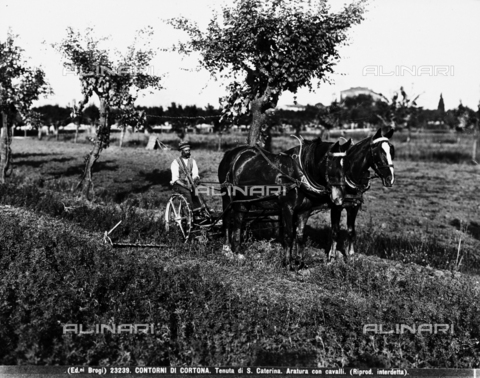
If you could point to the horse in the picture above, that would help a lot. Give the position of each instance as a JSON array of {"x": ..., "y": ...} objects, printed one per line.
[
  {"x": 303, "y": 182},
  {"x": 374, "y": 152}
]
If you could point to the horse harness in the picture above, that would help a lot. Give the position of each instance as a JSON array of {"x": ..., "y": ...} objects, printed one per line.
[
  {"x": 295, "y": 183},
  {"x": 373, "y": 151},
  {"x": 311, "y": 186},
  {"x": 304, "y": 179}
]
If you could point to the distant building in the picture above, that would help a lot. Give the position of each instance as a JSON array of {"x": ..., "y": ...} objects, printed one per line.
[
  {"x": 204, "y": 128},
  {"x": 294, "y": 107},
  {"x": 355, "y": 91}
]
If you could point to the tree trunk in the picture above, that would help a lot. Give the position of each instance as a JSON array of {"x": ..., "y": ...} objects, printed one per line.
[
  {"x": 268, "y": 139},
  {"x": 5, "y": 150},
  {"x": 259, "y": 118},
  {"x": 474, "y": 152},
  {"x": 40, "y": 132},
  {"x": 25, "y": 131},
  {"x": 298, "y": 129},
  {"x": 101, "y": 141},
  {"x": 219, "y": 141},
  {"x": 57, "y": 136},
  {"x": 76, "y": 130},
  {"x": 259, "y": 107},
  {"x": 122, "y": 135}
]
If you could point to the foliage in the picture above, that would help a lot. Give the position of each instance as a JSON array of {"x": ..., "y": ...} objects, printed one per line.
[
  {"x": 20, "y": 84},
  {"x": 209, "y": 311},
  {"x": 266, "y": 48},
  {"x": 115, "y": 81},
  {"x": 465, "y": 117},
  {"x": 401, "y": 112},
  {"x": 53, "y": 114}
]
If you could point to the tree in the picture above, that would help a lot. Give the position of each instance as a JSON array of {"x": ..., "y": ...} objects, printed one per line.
[
  {"x": 92, "y": 114},
  {"x": 441, "y": 106},
  {"x": 20, "y": 85},
  {"x": 179, "y": 125},
  {"x": 465, "y": 117},
  {"x": 116, "y": 83},
  {"x": 400, "y": 113},
  {"x": 53, "y": 115},
  {"x": 265, "y": 49}
]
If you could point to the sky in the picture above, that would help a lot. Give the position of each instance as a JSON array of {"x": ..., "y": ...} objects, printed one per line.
[{"x": 427, "y": 46}]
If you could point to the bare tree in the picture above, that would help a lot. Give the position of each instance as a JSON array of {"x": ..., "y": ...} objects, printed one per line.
[{"x": 400, "y": 112}]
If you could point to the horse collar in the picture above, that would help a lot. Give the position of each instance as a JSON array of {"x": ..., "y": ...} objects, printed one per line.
[
  {"x": 360, "y": 188},
  {"x": 311, "y": 186},
  {"x": 328, "y": 167}
]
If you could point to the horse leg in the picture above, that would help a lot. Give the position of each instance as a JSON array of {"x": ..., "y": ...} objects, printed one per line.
[
  {"x": 227, "y": 220},
  {"x": 351, "y": 217},
  {"x": 238, "y": 227},
  {"x": 301, "y": 222},
  {"x": 335, "y": 215},
  {"x": 288, "y": 229}
]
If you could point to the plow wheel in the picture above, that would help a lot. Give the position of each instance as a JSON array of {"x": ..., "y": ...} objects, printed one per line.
[{"x": 178, "y": 216}]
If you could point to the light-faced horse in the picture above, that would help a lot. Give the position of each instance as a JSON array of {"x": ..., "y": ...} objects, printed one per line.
[
  {"x": 314, "y": 178},
  {"x": 375, "y": 152}
]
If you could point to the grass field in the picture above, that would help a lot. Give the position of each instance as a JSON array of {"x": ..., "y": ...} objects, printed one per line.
[{"x": 211, "y": 311}]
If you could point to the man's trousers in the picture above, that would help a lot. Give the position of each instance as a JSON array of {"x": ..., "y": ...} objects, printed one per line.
[{"x": 193, "y": 201}]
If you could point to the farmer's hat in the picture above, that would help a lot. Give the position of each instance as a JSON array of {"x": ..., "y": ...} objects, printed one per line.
[{"x": 183, "y": 146}]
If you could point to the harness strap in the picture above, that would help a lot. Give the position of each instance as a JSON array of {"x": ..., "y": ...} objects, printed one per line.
[
  {"x": 227, "y": 183},
  {"x": 185, "y": 170},
  {"x": 381, "y": 139},
  {"x": 375, "y": 141},
  {"x": 375, "y": 167},
  {"x": 274, "y": 166},
  {"x": 304, "y": 179},
  {"x": 360, "y": 188}
]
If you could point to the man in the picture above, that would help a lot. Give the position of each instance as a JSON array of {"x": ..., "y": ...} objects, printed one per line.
[{"x": 184, "y": 174}]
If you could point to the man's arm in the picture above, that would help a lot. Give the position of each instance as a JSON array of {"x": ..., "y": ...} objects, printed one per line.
[
  {"x": 174, "y": 168},
  {"x": 195, "y": 175}
]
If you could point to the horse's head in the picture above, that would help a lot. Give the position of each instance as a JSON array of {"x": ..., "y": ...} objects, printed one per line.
[
  {"x": 335, "y": 171},
  {"x": 382, "y": 155}
]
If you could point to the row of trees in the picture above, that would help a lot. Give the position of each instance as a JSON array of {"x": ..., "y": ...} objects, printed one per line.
[
  {"x": 51, "y": 115},
  {"x": 361, "y": 110},
  {"x": 261, "y": 49}
]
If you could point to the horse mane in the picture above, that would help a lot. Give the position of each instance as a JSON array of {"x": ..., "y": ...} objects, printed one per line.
[
  {"x": 357, "y": 152},
  {"x": 310, "y": 150},
  {"x": 358, "y": 147},
  {"x": 307, "y": 142}
]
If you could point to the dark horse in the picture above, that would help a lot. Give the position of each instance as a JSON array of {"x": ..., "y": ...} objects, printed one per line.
[
  {"x": 306, "y": 182},
  {"x": 374, "y": 152}
]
